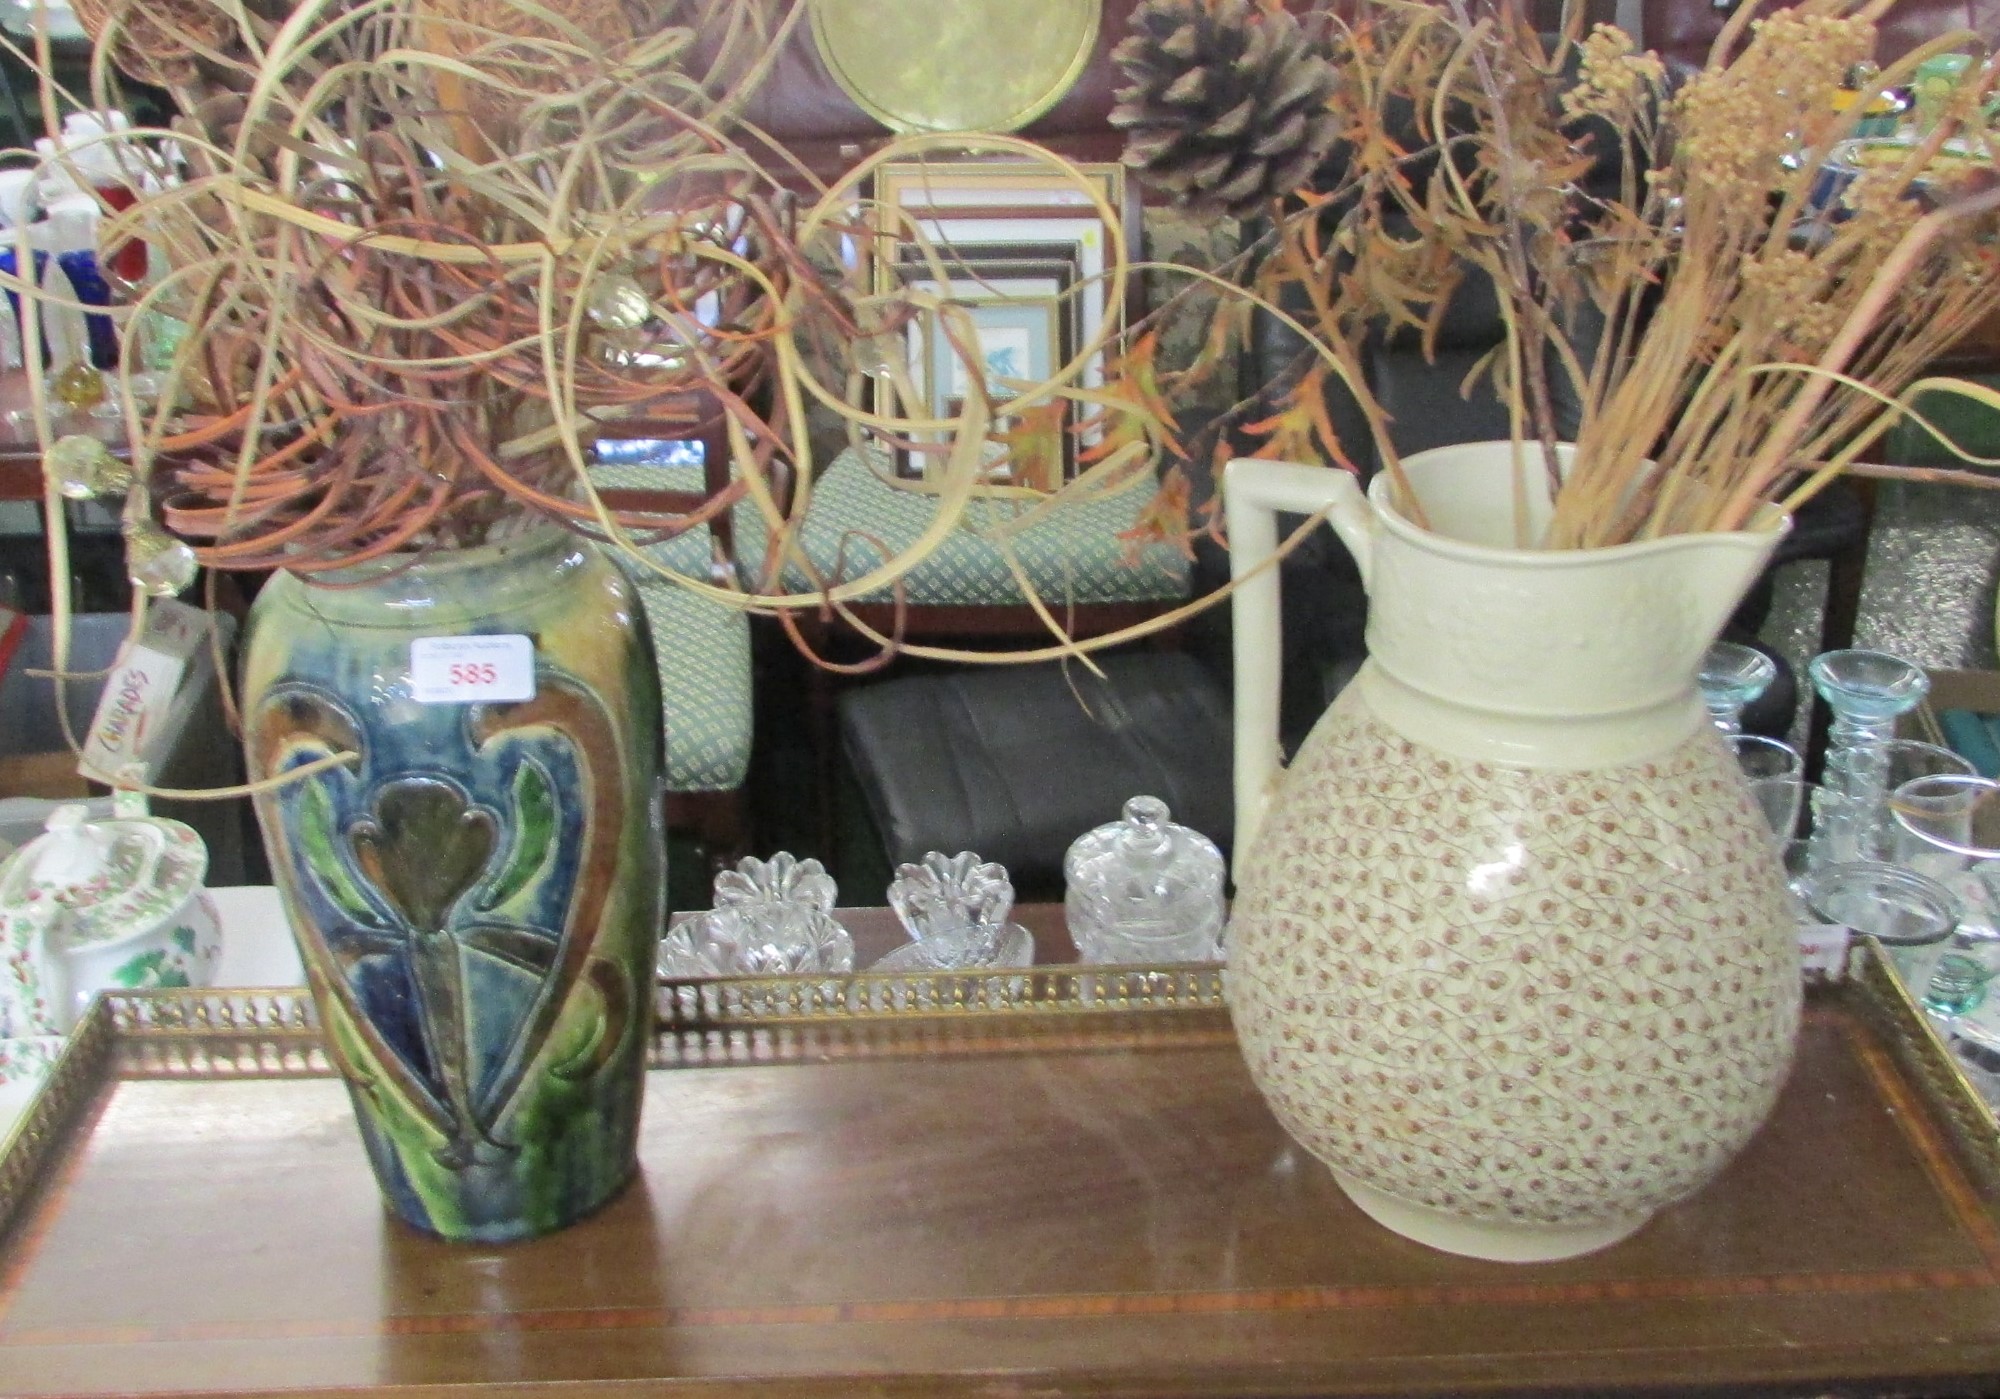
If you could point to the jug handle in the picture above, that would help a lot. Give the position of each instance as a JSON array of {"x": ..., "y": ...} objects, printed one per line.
[{"x": 1253, "y": 492}]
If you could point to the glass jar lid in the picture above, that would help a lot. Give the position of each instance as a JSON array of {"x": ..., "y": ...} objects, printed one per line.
[{"x": 1145, "y": 860}]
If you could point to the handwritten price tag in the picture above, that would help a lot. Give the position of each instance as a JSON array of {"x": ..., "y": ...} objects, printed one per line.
[{"x": 472, "y": 669}]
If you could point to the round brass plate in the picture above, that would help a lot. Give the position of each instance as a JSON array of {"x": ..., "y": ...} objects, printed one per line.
[{"x": 955, "y": 65}]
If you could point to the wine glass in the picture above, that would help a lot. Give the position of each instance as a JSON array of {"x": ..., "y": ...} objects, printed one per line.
[
  {"x": 1867, "y": 692},
  {"x": 1732, "y": 675},
  {"x": 1775, "y": 774}
]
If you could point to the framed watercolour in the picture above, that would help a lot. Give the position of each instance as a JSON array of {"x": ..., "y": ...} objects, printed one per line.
[
  {"x": 1024, "y": 251},
  {"x": 1018, "y": 320},
  {"x": 998, "y": 345},
  {"x": 1002, "y": 271},
  {"x": 1084, "y": 242}
]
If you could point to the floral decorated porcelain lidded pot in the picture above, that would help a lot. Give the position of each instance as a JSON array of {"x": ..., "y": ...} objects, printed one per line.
[
  {"x": 1510, "y": 950},
  {"x": 98, "y": 905}
]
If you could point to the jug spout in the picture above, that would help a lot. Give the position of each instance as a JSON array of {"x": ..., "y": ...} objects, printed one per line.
[
  {"x": 1460, "y": 618},
  {"x": 1477, "y": 646}
]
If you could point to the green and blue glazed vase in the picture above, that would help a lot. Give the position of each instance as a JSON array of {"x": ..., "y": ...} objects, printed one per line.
[{"x": 477, "y": 892}]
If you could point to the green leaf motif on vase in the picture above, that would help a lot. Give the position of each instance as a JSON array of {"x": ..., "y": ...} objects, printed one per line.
[
  {"x": 423, "y": 847},
  {"x": 325, "y": 857},
  {"x": 535, "y": 818}
]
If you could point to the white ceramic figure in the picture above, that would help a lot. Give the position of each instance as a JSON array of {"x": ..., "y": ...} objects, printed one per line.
[
  {"x": 1510, "y": 950},
  {"x": 90, "y": 906}
]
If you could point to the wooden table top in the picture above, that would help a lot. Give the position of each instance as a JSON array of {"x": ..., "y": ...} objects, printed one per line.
[{"x": 1096, "y": 1206}]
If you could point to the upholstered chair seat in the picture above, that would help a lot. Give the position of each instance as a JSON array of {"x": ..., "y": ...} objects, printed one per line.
[{"x": 1079, "y": 554}]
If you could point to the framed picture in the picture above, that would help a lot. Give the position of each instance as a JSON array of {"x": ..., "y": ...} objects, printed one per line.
[
  {"x": 1083, "y": 240},
  {"x": 1010, "y": 183},
  {"x": 1002, "y": 270},
  {"x": 1013, "y": 242},
  {"x": 995, "y": 345},
  {"x": 976, "y": 262},
  {"x": 1012, "y": 343},
  {"x": 1018, "y": 323}
]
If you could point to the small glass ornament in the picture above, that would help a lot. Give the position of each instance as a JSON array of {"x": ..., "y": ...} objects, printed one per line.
[
  {"x": 784, "y": 878},
  {"x": 80, "y": 386},
  {"x": 1144, "y": 889},
  {"x": 955, "y": 910},
  {"x": 770, "y": 918},
  {"x": 873, "y": 355},
  {"x": 617, "y": 302},
  {"x": 158, "y": 564},
  {"x": 756, "y": 939},
  {"x": 83, "y": 467}
]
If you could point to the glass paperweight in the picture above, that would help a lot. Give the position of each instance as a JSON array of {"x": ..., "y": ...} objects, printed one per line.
[
  {"x": 955, "y": 910},
  {"x": 773, "y": 938},
  {"x": 1144, "y": 889},
  {"x": 1733, "y": 675}
]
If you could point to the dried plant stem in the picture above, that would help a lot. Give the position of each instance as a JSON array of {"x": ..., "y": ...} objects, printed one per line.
[{"x": 1773, "y": 457}]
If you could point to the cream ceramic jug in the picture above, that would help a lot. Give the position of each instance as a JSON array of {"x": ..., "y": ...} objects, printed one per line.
[{"x": 1510, "y": 951}]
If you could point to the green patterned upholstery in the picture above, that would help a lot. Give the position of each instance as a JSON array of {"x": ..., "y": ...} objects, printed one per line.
[
  {"x": 1074, "y": 557},
  {"x": 703, "y": 648}
]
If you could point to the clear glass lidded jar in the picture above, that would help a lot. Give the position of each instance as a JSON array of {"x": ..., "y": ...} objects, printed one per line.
[{"x": 1144, "y": 890}]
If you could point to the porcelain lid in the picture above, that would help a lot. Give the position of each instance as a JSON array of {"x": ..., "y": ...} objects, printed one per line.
[{"x": 108, "y": 879}]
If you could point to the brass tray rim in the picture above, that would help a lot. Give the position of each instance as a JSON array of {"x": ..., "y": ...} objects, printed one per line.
[
  {"x": 271, "y": 1032},
  {"x": 266, "y": 1033}
]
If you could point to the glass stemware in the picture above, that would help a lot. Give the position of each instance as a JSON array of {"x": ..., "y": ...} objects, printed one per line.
[
  {"x": 1904, "y": 761},
  {"x": 1774, "y": 772},
  {"x": 1912, "y": 916},
  {"x": 1732, "y": 675},
  {"x": 1947, "y": 827},
  {"x": 1867, "y": 692}
]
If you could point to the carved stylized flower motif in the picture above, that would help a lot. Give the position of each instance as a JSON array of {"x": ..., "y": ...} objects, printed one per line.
[{"x": 438, "y": 897}]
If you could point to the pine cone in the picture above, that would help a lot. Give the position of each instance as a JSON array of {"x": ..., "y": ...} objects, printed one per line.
[
  {"x": 158, "y": 40},
  {"x": 1228, "y": 104}
]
